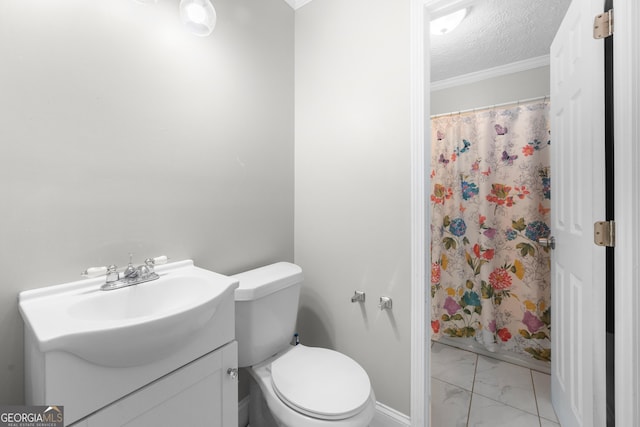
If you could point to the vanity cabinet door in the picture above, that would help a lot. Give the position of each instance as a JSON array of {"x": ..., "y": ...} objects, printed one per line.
[{"x": 201, "y": 393}]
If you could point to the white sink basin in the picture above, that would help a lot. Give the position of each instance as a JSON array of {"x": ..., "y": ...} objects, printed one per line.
[{"x": 129, "y": 326}]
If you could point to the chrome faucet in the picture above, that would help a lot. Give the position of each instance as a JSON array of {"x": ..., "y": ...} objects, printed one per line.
[
  {"x": 130, "y": 273},
  {"x": 130, "y": 276}
]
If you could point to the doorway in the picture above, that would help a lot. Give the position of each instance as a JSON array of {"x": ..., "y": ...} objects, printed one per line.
[{"x": 628, "y": 127}]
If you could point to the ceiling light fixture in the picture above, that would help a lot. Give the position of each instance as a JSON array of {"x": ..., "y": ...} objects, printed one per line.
[
  {"x": 199, "y": 16},
  {"x": 447, "y": 23}
]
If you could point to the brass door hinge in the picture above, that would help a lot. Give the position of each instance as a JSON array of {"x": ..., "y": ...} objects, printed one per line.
[
  {"x": 604, "y": 233},
  {"x": 603, "y": 25}
]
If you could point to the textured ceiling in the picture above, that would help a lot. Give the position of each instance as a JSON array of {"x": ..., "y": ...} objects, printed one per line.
[{"x": 494, "y": 33}]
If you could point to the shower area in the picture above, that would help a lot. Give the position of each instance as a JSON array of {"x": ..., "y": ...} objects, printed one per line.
[{"x": 489, "y": 204}]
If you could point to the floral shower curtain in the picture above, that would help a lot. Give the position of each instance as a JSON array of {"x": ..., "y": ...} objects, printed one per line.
[{"x": 490, "y": 203}]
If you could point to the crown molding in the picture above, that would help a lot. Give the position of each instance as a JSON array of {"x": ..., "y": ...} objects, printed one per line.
[
  {"x": 297, "y": 4},
  {"x": 436, "y": 8},
  {"x": 514, "y": 67}
]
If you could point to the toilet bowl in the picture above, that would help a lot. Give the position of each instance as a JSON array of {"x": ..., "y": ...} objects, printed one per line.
[
  {"x": 300, "y": 389},
  {"x": 293, "y": 386}
]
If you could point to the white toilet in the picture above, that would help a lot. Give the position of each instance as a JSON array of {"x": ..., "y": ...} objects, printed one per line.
[{"x": 294, "y": 386}]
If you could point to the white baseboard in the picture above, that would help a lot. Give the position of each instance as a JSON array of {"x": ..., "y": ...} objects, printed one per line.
[
  {"x": 384, "y": 417},
  {"x": 389, "y": 417}
]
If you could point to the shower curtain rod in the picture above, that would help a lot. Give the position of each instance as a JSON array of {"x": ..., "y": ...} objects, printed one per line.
[{"x": 489, "y": 107}]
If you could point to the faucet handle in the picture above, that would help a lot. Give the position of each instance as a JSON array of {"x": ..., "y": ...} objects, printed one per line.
[
  {"x": 144, "y": 271},
  {"x": 94, "y": 271},
  {"x": 112, "y": 274},
  {"x": 159, "y": 260},
  {"x": 152, "y": 262}
]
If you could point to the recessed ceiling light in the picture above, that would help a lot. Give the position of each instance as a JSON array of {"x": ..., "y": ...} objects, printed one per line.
[{"x": 447, "y": 23}]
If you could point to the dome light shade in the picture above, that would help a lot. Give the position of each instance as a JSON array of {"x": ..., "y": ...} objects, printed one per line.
[
  {"x": 199, "y": 16},
  {"x": 447, "y": 23}
]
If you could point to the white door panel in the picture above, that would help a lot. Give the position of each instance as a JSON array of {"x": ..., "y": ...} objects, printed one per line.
[{"x": 578, "y": 266}]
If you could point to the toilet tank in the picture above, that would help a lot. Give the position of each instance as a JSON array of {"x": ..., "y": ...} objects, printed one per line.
[{"x": 266, "y": 310}]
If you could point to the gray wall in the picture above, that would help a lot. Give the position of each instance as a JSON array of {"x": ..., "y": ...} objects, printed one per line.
[
  {"x": 497, "y": 90},
  {"x": 352, "y": 193},
  {"x": 121, "y": 132}
]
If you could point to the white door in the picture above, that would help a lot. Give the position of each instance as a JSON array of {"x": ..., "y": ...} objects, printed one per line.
[{"x": 578, "y": 265}]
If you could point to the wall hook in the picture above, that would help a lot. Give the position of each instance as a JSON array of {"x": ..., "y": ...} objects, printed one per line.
[
  {"x": 358, "y": 296},
  {"x": 385, "y": 303}
]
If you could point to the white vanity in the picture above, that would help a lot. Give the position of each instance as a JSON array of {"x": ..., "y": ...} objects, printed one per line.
[{"x": 155, "y": 353}]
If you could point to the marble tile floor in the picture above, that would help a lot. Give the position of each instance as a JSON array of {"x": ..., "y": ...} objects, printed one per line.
[{"x": 471, "y": 390}]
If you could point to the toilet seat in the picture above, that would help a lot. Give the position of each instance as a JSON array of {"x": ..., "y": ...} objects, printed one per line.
[{"x": 320, "y": 383}]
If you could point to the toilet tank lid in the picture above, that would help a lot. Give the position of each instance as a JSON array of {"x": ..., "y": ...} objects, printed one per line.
[{"x": 266, "y": 280}]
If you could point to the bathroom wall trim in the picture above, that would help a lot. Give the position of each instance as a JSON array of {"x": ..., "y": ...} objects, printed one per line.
[
  {"x": 501, "y": 70},
  {"x": 389, "y": 417},
  {"x": 627, "y": 208},
  {"x": 420, "y": 310},
  {"x": 384, "y": 417}
]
